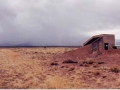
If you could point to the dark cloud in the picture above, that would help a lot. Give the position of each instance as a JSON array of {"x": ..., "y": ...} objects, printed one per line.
[{"x": 56, "y": 22}]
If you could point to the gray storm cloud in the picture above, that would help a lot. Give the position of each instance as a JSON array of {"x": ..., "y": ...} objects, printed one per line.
[{"x": 55, "y": 22}]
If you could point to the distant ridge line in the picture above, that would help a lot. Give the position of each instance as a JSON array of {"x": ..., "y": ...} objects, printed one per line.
[{"x": 37, "y": 46}]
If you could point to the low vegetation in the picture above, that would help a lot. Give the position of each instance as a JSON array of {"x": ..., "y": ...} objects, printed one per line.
[
  {"x": 54, "y": 64},
  {"x": 46, "y": 68},
  {"x": 115, "y": 68},
  {"x": 100, "y": 62},
  {"x": 71, "y": 69},
  {"x": 70, "y": 61},
  {"x": 96, "y": 72}
]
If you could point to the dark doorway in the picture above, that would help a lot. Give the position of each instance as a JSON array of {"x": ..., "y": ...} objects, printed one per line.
[{"x": 106, "y": 46}]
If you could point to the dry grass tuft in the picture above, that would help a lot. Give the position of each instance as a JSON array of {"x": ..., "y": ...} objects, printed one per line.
[
  {"x": 71, "y": 69},
  {"x": 81, "y": 64},
  {"x": 56, "y": 82},
  {"x": 90, "y": 62},
  {"x": 70, "y": 61},
  {"x": 95, "y": 65},
  {"x": 86, "y": 62},
  {"x": 99, "y": 82},
  {"x": 54, "y": 64},
  {"x": 100, "y": 62},
  {"x": 96, "y": 72},
  {"x": 115, "y": 68}
]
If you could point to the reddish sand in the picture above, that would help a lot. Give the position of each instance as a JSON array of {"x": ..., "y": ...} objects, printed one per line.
[{"x": 58, "y": 68}]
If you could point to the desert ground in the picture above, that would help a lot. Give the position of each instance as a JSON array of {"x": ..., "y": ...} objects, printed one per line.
[{"x": 55, "y": 68}]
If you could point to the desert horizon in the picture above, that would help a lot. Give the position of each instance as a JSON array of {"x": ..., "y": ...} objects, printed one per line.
[
  {"x": 59, "y": 44},
  {"x": 57, "y": 68}
]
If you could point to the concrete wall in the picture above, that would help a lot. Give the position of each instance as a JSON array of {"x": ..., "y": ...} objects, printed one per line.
[
  {"x": 99, "y": 44},
  {"x": 109, "y": 39}
]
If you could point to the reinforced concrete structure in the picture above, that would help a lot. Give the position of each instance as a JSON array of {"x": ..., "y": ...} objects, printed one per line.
[{"x": 101, "y": 42}]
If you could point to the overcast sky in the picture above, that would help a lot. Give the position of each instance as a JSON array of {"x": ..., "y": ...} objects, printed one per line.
[{"x": 57, "y": 22}]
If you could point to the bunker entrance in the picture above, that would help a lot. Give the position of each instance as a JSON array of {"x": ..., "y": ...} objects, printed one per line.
[{"x": 106, "y": 46}]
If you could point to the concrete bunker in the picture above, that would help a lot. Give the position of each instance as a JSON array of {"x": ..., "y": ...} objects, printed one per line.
[{"x": 101, "y": 42}]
